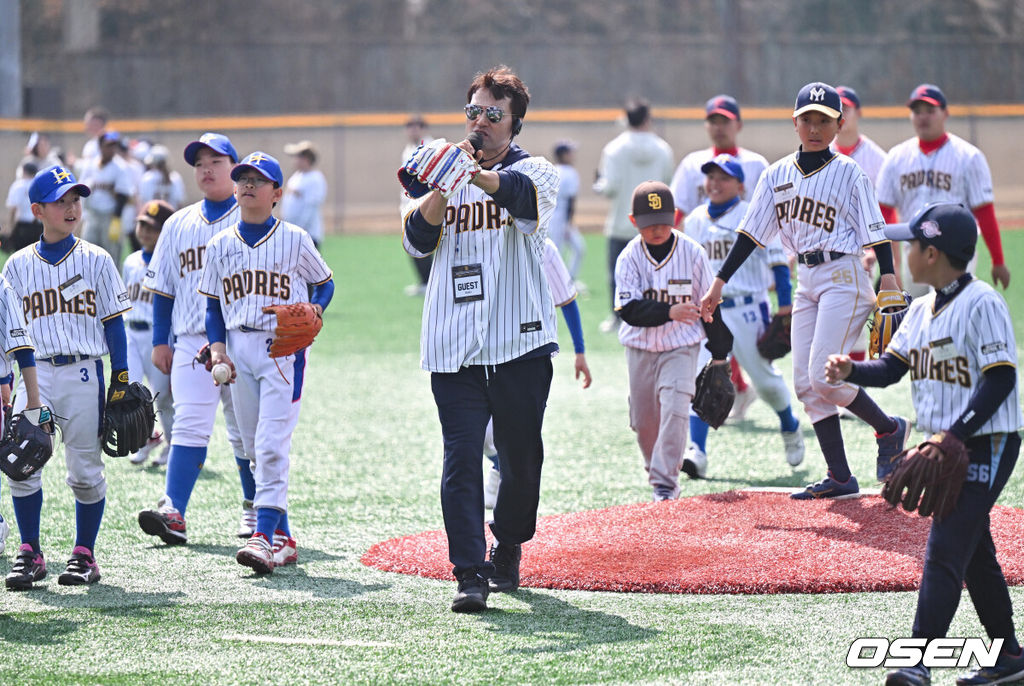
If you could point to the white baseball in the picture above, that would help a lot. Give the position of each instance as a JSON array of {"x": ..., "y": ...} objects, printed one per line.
[{"x": 221, "y": 372}]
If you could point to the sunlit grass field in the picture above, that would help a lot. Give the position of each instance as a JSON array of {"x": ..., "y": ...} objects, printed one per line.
[{"x": 366, "y": 467}]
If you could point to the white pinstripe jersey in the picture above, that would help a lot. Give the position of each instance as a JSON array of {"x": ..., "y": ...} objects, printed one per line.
[
  {"x": 276, "y": 271},
  {"x": 869, "y": 155},
  {"x": 13, "y": 329},
  {"x": 833, "y": 208},
  {"x": 956, "y": 172},
  {"x": 948, "y": 351},
  {"x": 688, "y": 181},
  {"x": 717, "y": 236},
  {"x": 133, "y": 272},
  {"x": 178, "y": 262},
  {"x": 516, "y": 313},
  {"x": 683, "y": 276},
  {"x": 65, "y": 304},
  {"x": 563, "y": 289}
]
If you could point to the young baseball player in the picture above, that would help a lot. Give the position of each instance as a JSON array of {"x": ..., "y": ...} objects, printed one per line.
[
  {"x": 936, "y": 166},
  {"x": 958, "y": 344},
  {"x": 562, "y": 231},
  {"x": 178, "y": 308},
  {"x": 113, "y": 186},
  {"x": 262, "y": 261},
  {"x": 745, "y": 307},
  {"x": 656, "y": 276},
  {"x": 823, "y": 208},
  {"x": 73, "y": 300},
  {"x": 139, "y": 321}
]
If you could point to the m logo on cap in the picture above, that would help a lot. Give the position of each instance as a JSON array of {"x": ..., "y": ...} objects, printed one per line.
[
  {"x": 61, "y": 174},
  {"x": 930, "y": 229},
  {"x": 817, "y": 94},
  {"x": 654, "y": 201}
]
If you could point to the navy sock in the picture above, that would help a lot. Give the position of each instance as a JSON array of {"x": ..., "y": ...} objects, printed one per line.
[
  {"x": 267, "y": 519},
  {"x": 698, "y": 432},
  {"x": 87, "y": 523},
  {"x": 830, "y": 438},
  {"x": 247, "y": 478},
  {"x": 183, "y": 467},
  {"x": 282, "y": 524},
  {"x": 787, "y": 420},
  {"x": 28, "y": 511},
  {"x": 868, "y": 410}
]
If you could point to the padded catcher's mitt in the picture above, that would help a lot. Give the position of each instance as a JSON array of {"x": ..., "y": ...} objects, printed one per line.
[
  {"x": 715, "y": 394},
  {"x": 890, "y": 309},
  {"x": 775, "y": 341},
  {"x": 27, "y": 444},
  {"x": 926, "y": 484},
  {"x": 128, "y": 418},
  {"x": 297, "y": 326}
]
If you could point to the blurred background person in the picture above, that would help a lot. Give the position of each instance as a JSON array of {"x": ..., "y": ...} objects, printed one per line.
[
  {"x": 305, "y": 191},
  {"x": 562, "y": 232},
  {"x": 22, "y": 227},
  {"x": 159, "y": 182},
  {"x": 415, "y": 136}
]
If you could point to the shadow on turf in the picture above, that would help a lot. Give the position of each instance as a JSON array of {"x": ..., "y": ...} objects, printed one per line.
[
  {"x": 107, "y": 598},
  {"x": 47, "y": 632},
  {"x": 305, "y": 554},
  {"x": 568, "y": 627}
]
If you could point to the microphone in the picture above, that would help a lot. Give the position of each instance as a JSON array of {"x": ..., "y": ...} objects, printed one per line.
[{"x": 476, "y": 139}]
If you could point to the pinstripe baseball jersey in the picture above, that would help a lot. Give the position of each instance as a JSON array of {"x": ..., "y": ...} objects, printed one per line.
[
  {"x": 563, "y": 289},
  {"x": 133, "y": 272},
  {"x": 947, "y": 352},
  {"x": 683, "y": 276},
  {"x": 956, "y": 172},
  {"x": 488, "y": 299},
  {"x": 717, "y": 236},
  {"x": 178, "y": 261},
  {"x": 65, "y": 304},
  {"x": 275, "y": 271},
  {"x": 688, "y": 181},
  {"x": 13, "y": 329},
  {"x": 833, "y": 208},
  {"x": 868, "y": 154}
]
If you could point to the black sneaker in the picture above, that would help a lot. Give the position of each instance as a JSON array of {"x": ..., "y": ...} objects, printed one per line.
[
  {"x": 28, "y": 568},
  {"x": 472, "y": 594},
  {"x": 505, "y": 559},
  {"x": 1007, "y": 669},
  {"x": 81, "y": 569},
  {"x": 918, "y": 675}
]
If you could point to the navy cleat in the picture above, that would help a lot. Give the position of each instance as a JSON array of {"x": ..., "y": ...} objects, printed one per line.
[
  {"x": 1006, "y": 670},
  {"x": 890, "y": 448},
  {"x": 918, "y": 675},
  {"x": 828, "y": 488}
]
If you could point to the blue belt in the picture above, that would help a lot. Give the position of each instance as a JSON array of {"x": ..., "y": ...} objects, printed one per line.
[
  {"x": 138, "y": 326},
  {"x": 733, "y": 302},
  {"x": 813, "y": 259},
  {"x": 61, "y": 360},
  {"x": 249, "y": 329}
]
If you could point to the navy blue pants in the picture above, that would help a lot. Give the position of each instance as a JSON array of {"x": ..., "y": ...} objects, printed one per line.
[
  {"x": 960, "y": 548},
  {"x": 515, "y": 394}
]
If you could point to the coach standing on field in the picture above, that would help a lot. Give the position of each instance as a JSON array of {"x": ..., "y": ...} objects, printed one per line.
[{"x": 488, "y": 334}]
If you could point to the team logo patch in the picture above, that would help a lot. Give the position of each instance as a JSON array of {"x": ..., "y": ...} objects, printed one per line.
[
  {"x": 930, "y": 229},
  {"x": 15, "y": 333},
  {"x": 990, "y": 348},
  {"x": 817, "y": 94},
  {"x": 150, "y": 274},
  {"x": 123, "y": 297},
  {"x": 527, "y": 327},
  {"x": 61, "y": 174},
  {"x": 624, "y": 295},
  {"x": 654, "y": 201}
]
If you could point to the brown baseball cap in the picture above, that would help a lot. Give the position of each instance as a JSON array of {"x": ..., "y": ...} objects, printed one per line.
[
  {"x": 653, "y": 204},
  {"x": 155, "y": 213}
]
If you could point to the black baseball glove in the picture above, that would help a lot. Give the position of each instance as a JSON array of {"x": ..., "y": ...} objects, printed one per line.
[
  {"x": 128, "y": 418},
  {"x": 715, "y": 394},
  {"x": 929, "y": 484},
  {"x": 28, "y": 443},
  {"x": 775, "y": 341}
]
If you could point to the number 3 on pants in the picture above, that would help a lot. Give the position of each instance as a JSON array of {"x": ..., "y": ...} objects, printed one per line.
[{"x": 84, "y": 371}]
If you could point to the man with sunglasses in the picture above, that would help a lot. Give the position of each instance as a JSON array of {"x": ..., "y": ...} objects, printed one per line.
[{"x": 488, "y": 334}]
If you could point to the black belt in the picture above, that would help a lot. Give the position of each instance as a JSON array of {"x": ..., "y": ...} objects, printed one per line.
[
  {"x": 61, "y": 360},
  {"x": 813, "y": 259},
  {"x": 138, "y": 326},
  {"x": 733, "y": 302}
]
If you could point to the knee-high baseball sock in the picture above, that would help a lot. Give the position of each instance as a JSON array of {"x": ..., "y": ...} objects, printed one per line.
[
  {"x": 787, "y": 420},
  {"x": 27, "y": 512},
  {"x": 868, "y": 410},
  {"x": 267, "y": 519},
  {"x": 698, "y": 432},
  {"x": 830, "y": 438},
  {"x": 87, "y": 523},
  {"x": 247, "y": 478},
  {"x": 183, "y": 467},
  {"x": 282, "y": 524}
]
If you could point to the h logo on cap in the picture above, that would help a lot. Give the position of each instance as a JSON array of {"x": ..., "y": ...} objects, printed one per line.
[
  {"x": 60, "y": 174},
  {"x": 256, "y": 158},
  {"x": 817, "y": 94},
  {"x": 654, "y": 201}
]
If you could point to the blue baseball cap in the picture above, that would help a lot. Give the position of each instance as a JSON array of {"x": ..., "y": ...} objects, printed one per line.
[
  {"x": 848, "y": 96},
  {"x": 261, "y": 162},
  {"x": 724, "y": 105},
  {"x": 928, "y": 93},
  {"x": 948, "y": 226},
  {"x": 727, "y": 163},
  {"x": 818, "y": 97},
  {"x": 217, "y": 142},
  {"x": 110, "y": 137},
  {"x": 52, "y": 183}
]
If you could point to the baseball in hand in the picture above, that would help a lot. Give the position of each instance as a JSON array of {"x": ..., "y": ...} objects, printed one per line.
[{"x": 221, "y": 372}]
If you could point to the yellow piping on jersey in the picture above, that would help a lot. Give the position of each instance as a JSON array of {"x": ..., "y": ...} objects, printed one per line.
[
  {"x": 116, "y": 314},
  {"x": 807, "y": 176},
  {"x": 21, "y": 347},
  {"x": 568, "y": 301},
  {"x": 759, "y": 243},
  {"x": 657, "y": 266},
  {"x": 66, "y": 255},
  {"x": 318, "y": 283},
  {"x": 153, "y": 290},
  {"x": 214, "y": 221},
  {"x": 262, "y": 240},
  {"x": 1011, "y": 365},
  {"x": 898, "y": 357},
  {"x": 215, "y": 297}
]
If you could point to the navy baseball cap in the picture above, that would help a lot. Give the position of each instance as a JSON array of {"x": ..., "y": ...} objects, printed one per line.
[
  {"x": 266, "y": 165},
  {"x": 217, "y": 142},
  {"x": 724, "y": 105},
  {"x": 52, "y": 183},
  {"x": 848, "y": 96},
  {"x": 948, "y": 226},
  {"x": 564, "y": 146},
  {"x": 653, "y": 204},
  {"x": 928, "y": 93},
  {"x": 818, "y": 97},
  {"x": 727, "y": 163}
]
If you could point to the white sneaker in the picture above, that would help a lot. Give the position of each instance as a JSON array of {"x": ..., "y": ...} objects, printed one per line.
[
  {"x": 143, "y": 454},
  {"x": 742, "y": 403},
  {"x": 414, "y": 289},
  {"x": 247, "y": 525},
  {"x": 5, "y": 530},
  {"x": 695, "y": 462},
  {"x": 285, "y": 550},
  {"x": 256, "y": 554},
  {"x": 794, "y": 442},
  {"x": 491, "y": 483},
  {"x": 161, "y": 458}
]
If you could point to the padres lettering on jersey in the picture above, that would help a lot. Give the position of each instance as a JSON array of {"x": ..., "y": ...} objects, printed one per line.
[
  {"x": 65, "y": 304},
  {"x": 949, "y": 350},
  {"x": 833, "y": 208},
  {"x": 178, "y": 260},
  {"x": 688, "y": 181},
  {"x": 275, "y": 271}
]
